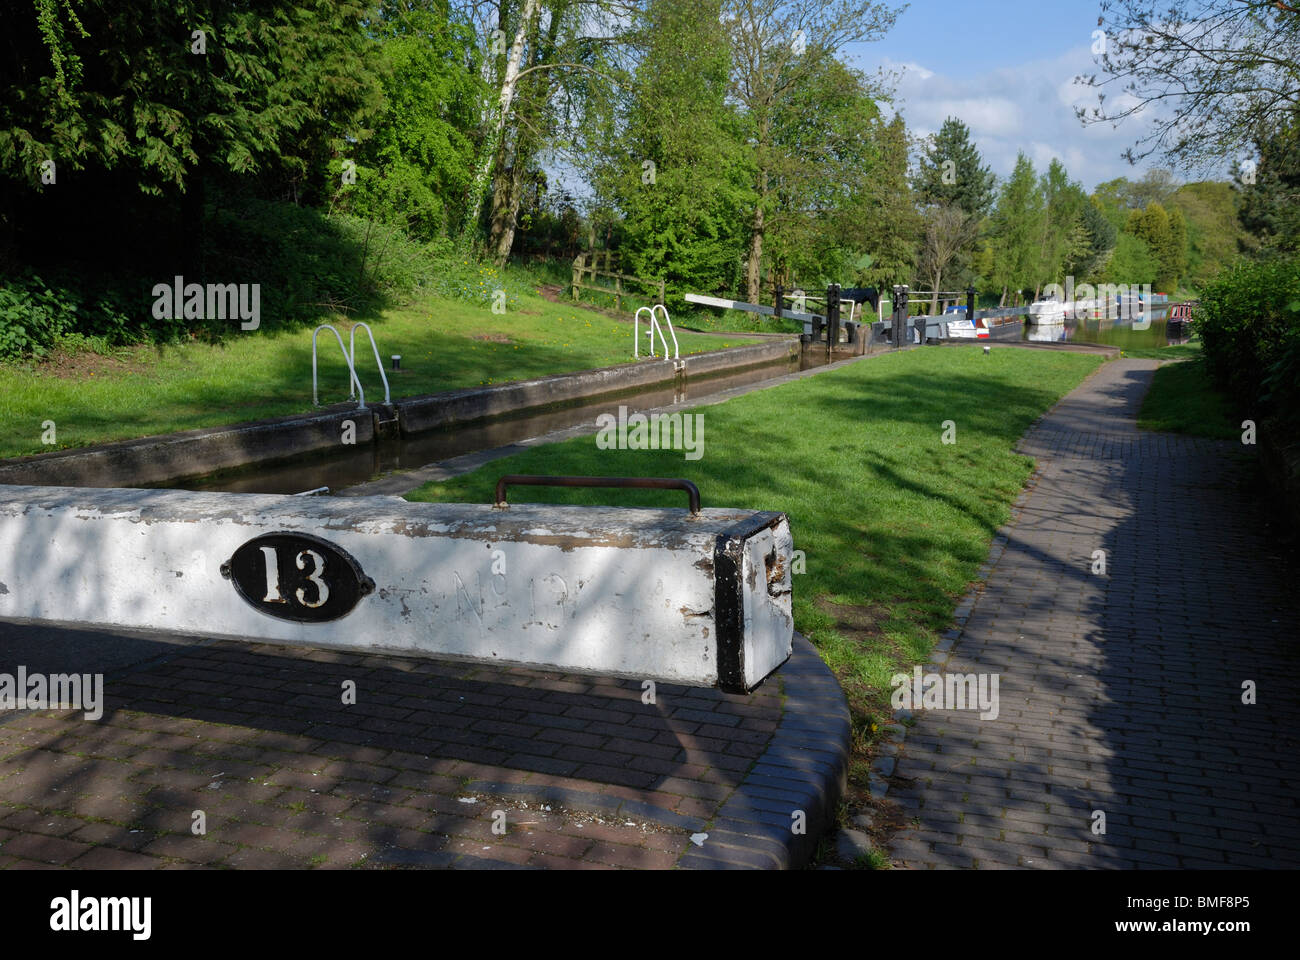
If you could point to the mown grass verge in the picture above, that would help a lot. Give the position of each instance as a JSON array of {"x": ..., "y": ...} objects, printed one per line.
[
  {"x": 893, "y": 522},
  {"x": 445, "y": 344},
  {"x": 1183, "y": 399}
]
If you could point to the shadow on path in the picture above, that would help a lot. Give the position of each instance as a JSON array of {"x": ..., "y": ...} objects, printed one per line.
[{"x": 1120, "y": 694}]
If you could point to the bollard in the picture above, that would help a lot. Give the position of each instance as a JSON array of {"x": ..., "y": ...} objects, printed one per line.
[
  {"x": 901, "y": 294},
  {"x": 832, "y": 317}
]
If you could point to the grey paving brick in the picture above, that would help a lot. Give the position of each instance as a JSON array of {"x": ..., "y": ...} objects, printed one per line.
[{"x": 1119, "y": 693}]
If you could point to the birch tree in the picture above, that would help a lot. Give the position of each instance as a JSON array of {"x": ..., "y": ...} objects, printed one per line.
[{"x": 556, "y": 48}]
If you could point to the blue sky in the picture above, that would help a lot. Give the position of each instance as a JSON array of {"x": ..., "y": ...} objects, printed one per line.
[{"x": 1005, "y": 68}]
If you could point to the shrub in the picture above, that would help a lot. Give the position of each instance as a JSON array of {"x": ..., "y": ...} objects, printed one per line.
[
  {"x": 1282, "y": 383},
  {"x": 308, "y": 263},
  {"x": 33, "y": 315},
  {"x": 1249, "y": 322}
]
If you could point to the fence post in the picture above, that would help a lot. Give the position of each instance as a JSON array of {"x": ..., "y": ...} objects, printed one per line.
[
  {"x": 618, "y": 294},
  {"x": 663, "y": 290},
  {"x": 578, "y": 262},
  {"x": 778, "y": 296}
]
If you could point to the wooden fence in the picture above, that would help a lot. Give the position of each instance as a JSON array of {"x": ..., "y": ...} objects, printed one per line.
[{"x": 595, "y": 270}]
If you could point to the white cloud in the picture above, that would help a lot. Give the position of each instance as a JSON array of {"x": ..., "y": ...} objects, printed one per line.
[
  {"x": 915, "y": 69},
  {"x": 986, "y": 116},
  {"x": 1029, "y": 107}
]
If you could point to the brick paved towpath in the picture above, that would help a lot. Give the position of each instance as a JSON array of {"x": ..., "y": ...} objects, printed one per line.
[
  {"x": 437, "y": 764},
  {"x": 1119, "y": 693}
]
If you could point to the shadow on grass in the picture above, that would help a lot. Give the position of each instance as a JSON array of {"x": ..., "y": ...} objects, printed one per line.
[{"x": 889, "y": 516}]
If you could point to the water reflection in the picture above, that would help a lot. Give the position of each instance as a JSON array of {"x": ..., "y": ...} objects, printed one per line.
[{"x": 1125, "y": 334}]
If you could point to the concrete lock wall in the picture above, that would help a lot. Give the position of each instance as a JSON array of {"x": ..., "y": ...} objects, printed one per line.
[
  {"x": 655, "y": 594},
  {"x": 191, "y": 452},
  {"x": 419, "y": 414},
  {"x": 739, "y": 358}
]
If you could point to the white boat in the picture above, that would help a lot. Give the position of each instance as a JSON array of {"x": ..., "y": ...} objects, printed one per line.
[
  {"x": 1047, "y": 311},
  {"x": 958, "y": 327}
]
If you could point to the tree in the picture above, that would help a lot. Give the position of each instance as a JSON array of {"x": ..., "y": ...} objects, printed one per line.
[
  {"x": 141, "y": 106},
  {"x": 1101, "y": 238},
  {"x": 1165, "y": 235},
  {"x": 1131, "y": 263},
  {"x": 560, "y": 52},
  {"x": 775, "y": 44},
  {"x": 948, "y": 231},
  {"x": 1270, "y": 194},
  {"x": 1207, "y": 73},
  {"x": 417, "y": 169},
  {"x": 1157, "y": 185},
  {"x": 888, "y": 225},
  {"x": 237, "y": 88},
  {"x": 1174, "y": 263},
  {"x": 679, "y": 172},
  {"x": 1061, "y": 235},
  {"x": 823, "y": 165},
  {"x": 951, "y": 171},
  {"x": 1214, "y": 235},
  {"x": 1016, "y": 226}
]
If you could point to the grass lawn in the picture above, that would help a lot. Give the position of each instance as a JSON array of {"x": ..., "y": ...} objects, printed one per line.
[
  {"x": 1182, "y": 351},
  {"x": 1182, "y": 399},
  {"x": 445, "y": 344},
  {"x": 893, "y": 522}
]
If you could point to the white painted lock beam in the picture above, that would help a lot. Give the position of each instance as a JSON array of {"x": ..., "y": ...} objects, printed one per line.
[
  {"x": 749, "y": 307},
  {"x": 703, "y": 599}
]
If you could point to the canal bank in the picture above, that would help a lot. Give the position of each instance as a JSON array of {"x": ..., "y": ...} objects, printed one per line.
[
  {"x": 367, "y": 439},
  {"x": 378, "y": 449}
]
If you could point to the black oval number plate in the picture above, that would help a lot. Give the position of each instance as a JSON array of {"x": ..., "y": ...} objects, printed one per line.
[{"x": 296, "y": 576}]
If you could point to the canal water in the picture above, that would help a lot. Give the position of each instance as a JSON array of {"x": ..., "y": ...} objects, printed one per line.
[
  {"x": 354, "y": 465},
  {"x": 1124, "y": 334}
]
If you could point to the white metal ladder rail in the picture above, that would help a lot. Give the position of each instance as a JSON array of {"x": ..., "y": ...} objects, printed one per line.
[
  {"x": 352, "y": 373},
  {"x": 352, "y": 340},
  {"x": 677, "y": 353},
  {"x": 650, "y": 329}
]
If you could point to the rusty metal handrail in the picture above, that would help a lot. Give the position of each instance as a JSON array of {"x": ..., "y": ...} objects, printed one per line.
[{"x": 641, "y": 483}]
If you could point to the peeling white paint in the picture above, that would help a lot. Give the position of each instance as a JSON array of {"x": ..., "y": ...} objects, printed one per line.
[{"x": 608, "y": 590}]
